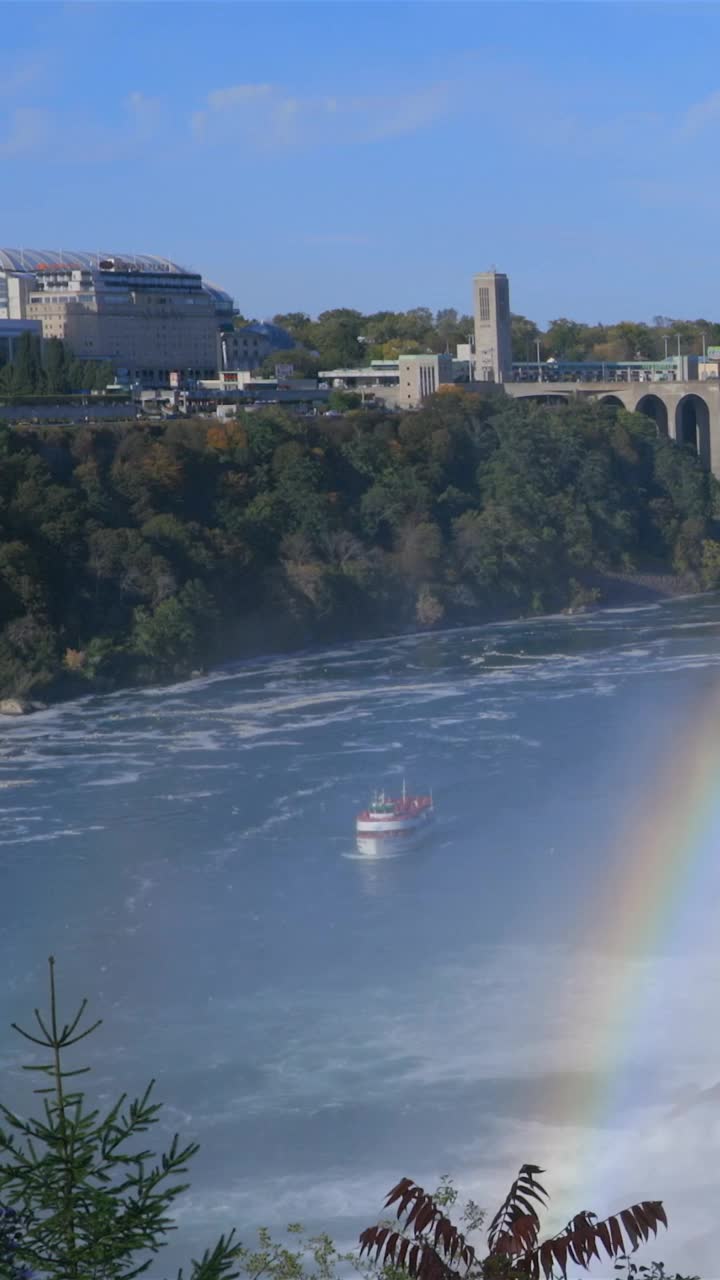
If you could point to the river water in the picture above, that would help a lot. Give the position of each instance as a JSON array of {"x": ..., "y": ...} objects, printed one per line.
[{"x": 326, "y": 1023}]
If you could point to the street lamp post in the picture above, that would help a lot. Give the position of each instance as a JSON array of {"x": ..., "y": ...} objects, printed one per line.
[{"x": 537, "y": 349}]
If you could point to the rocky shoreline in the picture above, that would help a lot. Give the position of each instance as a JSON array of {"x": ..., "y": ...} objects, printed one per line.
[
  {"x": 615, "y": 590},
  {"x": 619, "y": 590}
]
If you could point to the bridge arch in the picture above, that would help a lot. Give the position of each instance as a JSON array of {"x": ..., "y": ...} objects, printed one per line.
[
  {"x": 692, "y": 426},
  {"x": 613, "y": 402},
  {"x": 656, "y": 409}
]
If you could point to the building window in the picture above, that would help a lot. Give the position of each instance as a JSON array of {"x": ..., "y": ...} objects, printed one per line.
[{"x": 484, "y": 304}]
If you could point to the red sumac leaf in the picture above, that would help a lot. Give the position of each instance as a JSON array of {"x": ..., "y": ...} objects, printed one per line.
[
  {"x": 420, "y": 1199},
  {"x": 403, "y": 1185},
  {"x": 424, "y": 1216},
  {"x": 546, "y": 1258},
  {"x": 380, "y": 1238},
  {"x": 604, "y": 1234},
  {"x": 641, "y": 1221},
  {"x": 561, "y": 1254},
  {"x": 365, "y": 1239},
  {"x": 656, "y": 1210},
  {"x": 391, "y": 1246},
  {"x": 631, "y": 1230},
  {"x": 616, "y": 1236}
]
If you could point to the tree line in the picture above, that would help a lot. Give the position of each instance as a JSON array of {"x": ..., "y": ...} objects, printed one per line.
[
  {"x": 141, "y": 551},
  {"x": 48, "y": 368},
  {"x": 346, "y": 338}
]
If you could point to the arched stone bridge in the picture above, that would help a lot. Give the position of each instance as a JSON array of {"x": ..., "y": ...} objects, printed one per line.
[{"x": 688, "y": 412}]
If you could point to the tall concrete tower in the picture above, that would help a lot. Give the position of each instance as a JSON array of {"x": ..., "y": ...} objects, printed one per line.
[{"x": 493, "y": 337}]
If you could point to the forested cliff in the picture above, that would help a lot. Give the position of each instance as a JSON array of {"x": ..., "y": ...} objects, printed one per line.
[{"x": 138, "y": 552}]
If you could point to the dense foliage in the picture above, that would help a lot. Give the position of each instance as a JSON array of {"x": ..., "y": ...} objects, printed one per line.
[
  {"x": 626, "y": 340},
  {"x": 48, "y": 369},
  {"x": 345, "y": 337},
  {"x": 423, "y": 1242},
  {"x": 140, "y": 551}
]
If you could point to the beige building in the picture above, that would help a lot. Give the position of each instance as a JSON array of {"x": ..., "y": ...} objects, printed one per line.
[
  {"x": 149, "y": 317},
  {"x": 400, "y": 384},
  {"x": 493, "y": 332},
  {"x": 243, "y": 348},
  {"x": 420, "y": 377}
]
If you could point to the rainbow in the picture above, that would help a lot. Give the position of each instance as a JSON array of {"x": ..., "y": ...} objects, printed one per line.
[{"x": 669, "y": 849}]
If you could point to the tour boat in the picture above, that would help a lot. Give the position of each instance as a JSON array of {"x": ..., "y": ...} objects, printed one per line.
[{"x": 390, "y": 825}]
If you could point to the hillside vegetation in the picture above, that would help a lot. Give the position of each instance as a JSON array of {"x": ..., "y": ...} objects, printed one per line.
[
  {"x": 138, "y": 552},
  {"x": 344, "y": 337}
]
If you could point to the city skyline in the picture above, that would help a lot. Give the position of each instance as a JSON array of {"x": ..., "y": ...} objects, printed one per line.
[{"x": 308, "y": 156}]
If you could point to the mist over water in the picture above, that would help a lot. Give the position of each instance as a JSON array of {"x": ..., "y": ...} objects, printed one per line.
[{"x": 325, "y": 1023}]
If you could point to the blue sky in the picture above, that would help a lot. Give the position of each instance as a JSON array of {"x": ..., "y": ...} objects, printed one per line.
[{"x": 312, "y": 155}]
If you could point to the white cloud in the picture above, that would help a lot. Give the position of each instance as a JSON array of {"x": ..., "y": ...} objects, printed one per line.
[
  {"x": 237, "y": 95},
  {"x": 267, "y": 115},
  {"x": 23, "y": 73},
  {"x": 337, "y": 237},
  {"x": 699, "y": 116},
  {"x": 27, "y": 129},
  {"x": 146, "y": 112}
]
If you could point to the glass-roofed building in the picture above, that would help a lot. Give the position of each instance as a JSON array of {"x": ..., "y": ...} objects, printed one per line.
[{"x": 146, "y": 315}]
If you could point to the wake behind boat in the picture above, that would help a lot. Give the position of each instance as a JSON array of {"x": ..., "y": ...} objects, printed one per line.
[{"x": 390, "y": 824}]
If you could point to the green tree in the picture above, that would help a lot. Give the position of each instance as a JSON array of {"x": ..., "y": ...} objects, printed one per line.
[
  {"x": 335, "y": 335},
  {"x": 96, "y": 1202},
  {"x": 56, "y": 367},
  {"x": 27, "y": 376},
  {"x": 344, "y": 400},
  {"x": 305, "y": 363},
  {"x": 567, "y": 340},
  {"x": 170, "y": 633},
  {"x": 452, "y": 329},
  {"x": 525, "y": 334},
  {"x": 298, "y": 324}
]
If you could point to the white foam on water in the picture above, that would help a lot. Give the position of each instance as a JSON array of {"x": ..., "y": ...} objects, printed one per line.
[
  {"x": 693, "y": 626},
  {"x": 604, "y": 689},
  {"x": 635, "y": 608},
  {"x": 117, "y": 780},
  {"x": 188, "y": 796},
  {"x": 54, "y": 835}
]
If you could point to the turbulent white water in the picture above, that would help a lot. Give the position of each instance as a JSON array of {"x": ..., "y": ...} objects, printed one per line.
[{"x": 326, "y": 1023}]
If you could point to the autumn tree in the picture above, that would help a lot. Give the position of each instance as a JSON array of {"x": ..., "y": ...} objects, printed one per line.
[{"x": 426, "y": 1245}]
